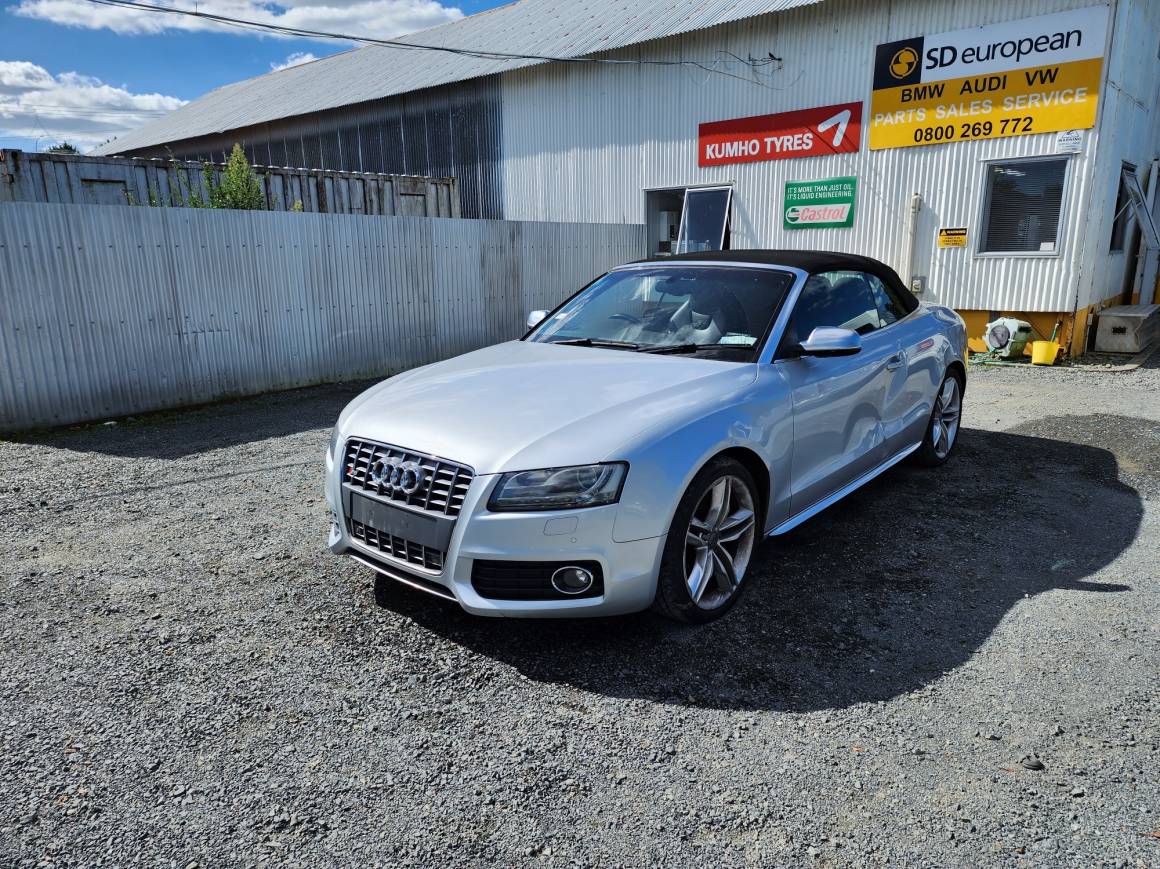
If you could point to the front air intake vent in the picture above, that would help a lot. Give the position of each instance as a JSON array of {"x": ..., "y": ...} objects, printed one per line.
[{"x": 529, "y": 580}]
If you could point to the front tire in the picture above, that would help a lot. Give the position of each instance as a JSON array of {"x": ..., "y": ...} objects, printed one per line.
[
  {"x": 942, "y": 431},
  {"x": 710, "y": 544}
]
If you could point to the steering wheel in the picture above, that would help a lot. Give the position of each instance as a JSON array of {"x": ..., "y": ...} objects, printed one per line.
[{"x": 628, "y": 318}]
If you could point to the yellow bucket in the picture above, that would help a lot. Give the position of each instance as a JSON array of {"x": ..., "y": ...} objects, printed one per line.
[{"x": 1044, "y": 352}]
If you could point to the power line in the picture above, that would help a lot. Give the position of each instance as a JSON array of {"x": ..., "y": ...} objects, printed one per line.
[
  {"x": 60, "y": 112},
  {"x": 481, "y": 54}
]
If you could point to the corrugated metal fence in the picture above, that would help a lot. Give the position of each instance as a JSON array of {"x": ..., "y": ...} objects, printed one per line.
[
  {"x": 82, "y": 179},
  {"x": 111, "y": 311}
]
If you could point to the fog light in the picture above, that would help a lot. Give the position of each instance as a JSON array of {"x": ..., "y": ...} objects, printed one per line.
[{"x": 572, "y": 580}]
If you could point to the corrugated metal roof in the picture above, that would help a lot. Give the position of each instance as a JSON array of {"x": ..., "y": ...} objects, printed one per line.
[{"x": 540, "y": 27}]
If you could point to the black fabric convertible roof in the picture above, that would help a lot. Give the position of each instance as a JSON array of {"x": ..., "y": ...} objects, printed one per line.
[{"x": 812, "y": 261}]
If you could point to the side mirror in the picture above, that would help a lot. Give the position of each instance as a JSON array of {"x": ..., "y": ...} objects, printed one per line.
[
  {"x": 535, "y": 318},
  {"x": 828, "y": 341}
]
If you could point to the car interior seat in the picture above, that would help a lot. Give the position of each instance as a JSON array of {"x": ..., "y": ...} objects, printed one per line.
[{"x": 706, "y": 317}]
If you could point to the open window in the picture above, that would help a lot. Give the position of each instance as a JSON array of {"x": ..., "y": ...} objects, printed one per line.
[
  {"x": 705, "y": 219},
  {"x": 1123, "y": 214},
  {"x": 688, "y": 219},
  {"x": 1138, "y": 202}
]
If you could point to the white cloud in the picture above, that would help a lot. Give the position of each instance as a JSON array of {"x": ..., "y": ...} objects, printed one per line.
[
  {"x": 295, "y": 59},
  {"x": 380, "y": 19},
  {"x": 81, "y": 109}
]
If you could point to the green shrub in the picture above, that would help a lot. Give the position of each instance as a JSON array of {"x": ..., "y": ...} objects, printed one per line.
[{"x": 239, "y": 186}]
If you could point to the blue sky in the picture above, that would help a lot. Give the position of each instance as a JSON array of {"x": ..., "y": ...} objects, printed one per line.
[{"x": 73, "y": 70}]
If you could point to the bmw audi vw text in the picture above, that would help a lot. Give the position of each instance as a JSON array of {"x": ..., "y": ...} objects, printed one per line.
[{"x": 638, "y": 443}]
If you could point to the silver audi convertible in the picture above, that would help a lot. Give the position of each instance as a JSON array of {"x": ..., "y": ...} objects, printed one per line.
[{"x": 635, "y": 446}]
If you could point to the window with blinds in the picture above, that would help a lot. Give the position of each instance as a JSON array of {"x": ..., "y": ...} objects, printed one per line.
[{"x": 1023, "y": 201}]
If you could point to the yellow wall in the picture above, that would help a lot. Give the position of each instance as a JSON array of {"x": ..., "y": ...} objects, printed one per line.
[
  {"x": 1072, "y": 333},
  {"x": 1042, "y": 323}
]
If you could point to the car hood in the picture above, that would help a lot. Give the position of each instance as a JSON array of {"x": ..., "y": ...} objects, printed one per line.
[{"x": 523, "y": 405}]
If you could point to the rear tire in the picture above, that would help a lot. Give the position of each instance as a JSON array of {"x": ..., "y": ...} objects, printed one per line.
[
  {"x": 942, "y": 430},
  {"x": 710, "y": 543}
]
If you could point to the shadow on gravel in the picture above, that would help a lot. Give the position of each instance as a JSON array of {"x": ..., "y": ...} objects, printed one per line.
[
  {"x": 174, "y": 434},
  {"x": 878, "y": 596}
]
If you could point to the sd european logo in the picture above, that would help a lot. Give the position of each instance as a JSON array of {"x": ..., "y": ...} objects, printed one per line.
[{"x": 898, "y": 63}]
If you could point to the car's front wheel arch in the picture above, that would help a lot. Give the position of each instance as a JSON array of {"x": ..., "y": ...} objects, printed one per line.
[{"x": 757, "y": 468}]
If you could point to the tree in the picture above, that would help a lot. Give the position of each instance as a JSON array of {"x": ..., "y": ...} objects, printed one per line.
[
  {"x": 62, "y": 148},
  {"x": 239, "y": 186}
]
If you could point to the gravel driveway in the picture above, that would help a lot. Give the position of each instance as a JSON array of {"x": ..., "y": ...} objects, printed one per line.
[{"x": 950, "y": 668}]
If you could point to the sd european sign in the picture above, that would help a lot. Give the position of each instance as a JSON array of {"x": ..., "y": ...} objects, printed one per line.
[
  {"x": 819, "y": 204},
  {"x": 1035, "y": 75}
]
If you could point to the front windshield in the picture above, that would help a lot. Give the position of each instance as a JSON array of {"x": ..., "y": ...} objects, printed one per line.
[{"x": 714, "y": 311}]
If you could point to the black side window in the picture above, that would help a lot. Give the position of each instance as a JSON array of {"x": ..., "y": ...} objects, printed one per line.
[
  {"x": 890, "y": 307},
  {"x": 836, "y": 299}
]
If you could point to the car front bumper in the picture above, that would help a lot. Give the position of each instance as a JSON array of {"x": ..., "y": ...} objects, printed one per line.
[{"x": 629, "y": 568}]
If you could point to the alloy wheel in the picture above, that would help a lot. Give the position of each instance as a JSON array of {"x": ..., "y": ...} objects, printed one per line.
[
  {"x": 719, "y": 542},
  {"x": 945, "y": 421}
]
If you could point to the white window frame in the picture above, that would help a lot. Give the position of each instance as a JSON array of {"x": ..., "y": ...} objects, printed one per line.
[
  {"x": 728, "y": 188},
  {"x": 1126, "y": 211},
  {"x": 985, "y": 207},
  {"x": 1138, "y": 202},
  {"x": 731, "y": 185}
]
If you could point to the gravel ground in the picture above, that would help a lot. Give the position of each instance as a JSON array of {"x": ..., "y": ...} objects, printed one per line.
[{"x": 187, "y": 677}]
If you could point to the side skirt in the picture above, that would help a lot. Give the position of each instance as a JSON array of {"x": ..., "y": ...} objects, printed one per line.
[{"x": 810, "y": 512}]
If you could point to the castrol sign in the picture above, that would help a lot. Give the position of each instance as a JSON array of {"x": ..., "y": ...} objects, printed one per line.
[
  {"x": 801, "y": 133},
  {"x": 825, "y": 203}
]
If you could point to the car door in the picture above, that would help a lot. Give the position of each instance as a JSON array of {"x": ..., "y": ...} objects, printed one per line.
[
  {"x": 911, "y": 384},
  {"x": 837, "y": 401}
]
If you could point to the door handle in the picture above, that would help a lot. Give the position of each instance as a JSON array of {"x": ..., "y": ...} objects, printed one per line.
[{"x": 894, "y": 362}]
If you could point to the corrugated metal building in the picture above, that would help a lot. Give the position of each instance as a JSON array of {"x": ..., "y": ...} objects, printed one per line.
[{"x": 1001, "y": 154}]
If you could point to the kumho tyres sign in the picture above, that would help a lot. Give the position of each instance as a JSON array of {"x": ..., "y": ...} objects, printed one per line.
[
  {"x": 802, "y": 133},
  {"x": 819, "y": 204},
  {"x": 1017, "y": 78}
]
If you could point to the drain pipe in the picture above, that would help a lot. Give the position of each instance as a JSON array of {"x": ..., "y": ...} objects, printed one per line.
[{"x": 906, "y": 269}]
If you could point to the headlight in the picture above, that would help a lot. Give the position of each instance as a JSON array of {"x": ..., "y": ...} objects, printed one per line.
[
  {"x": 335, "y": 443},
  {"x": 559, "y": 488}
]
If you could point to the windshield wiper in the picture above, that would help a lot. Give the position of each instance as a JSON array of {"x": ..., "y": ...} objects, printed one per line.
[
  {"x": 598, "y": 342},
  {"x": 675, "y": 348}
]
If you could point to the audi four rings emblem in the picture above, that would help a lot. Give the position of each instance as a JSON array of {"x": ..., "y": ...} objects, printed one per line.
[{"x": 405, "y": 477}]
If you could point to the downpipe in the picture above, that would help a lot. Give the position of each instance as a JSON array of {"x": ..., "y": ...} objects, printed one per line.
[{"x": 906, "y": 258}]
